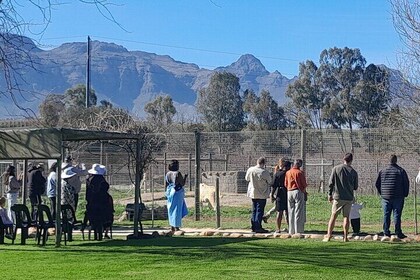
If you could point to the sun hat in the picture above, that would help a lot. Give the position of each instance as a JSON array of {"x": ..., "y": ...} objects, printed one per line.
[
  {"x": 97, "y": 169},
  {"x": 67, "y": 173}
]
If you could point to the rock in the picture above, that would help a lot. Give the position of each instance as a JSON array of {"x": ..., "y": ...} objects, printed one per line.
[
  {"x": 155, "y": 234},
  {"x": 248, "y": 235},
  {"x": 276, "y": 235},
  {"x": 207, "y": 233},
  {"x": 179, "y": 233},
  {"x": 169, "y": 233},
  {"x": 235, "y": 235},
  {"x": 385, "y": 239},
  {"x": 195, "y": 234},
  {"x": 226, "y": 234},
  {"x": 307, "y": 236},
  {"x": 297, "y": 236},
  {"x": 317, "y": 236},
  {"x": 218, "y": 233},
  {"x": 51, "y": 231},
  {"x": 356, "y": 237},
  {"x": 375, "y": 237},
  {"x": 368, "y": 238},
  {"x": 395, "y": 239},
  {"x": 337, "y": 237},
  {"x": 284, "y": 235},
  {"x": 417, "y": 238}
]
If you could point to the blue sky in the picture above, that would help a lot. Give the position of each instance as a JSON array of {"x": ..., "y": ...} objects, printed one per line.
[{"x": 212, "y": 33}]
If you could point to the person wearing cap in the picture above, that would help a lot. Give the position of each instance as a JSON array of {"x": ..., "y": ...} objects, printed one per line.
[
  {"x": 36, "y": 185},
  {"x": 97, "y": 199},
  {"x": 75, "y": 181}
]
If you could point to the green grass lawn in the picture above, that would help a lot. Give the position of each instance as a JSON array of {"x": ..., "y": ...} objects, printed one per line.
[{"x": 211, "y": 258}]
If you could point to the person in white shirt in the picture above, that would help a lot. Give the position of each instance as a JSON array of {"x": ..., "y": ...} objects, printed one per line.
[
  {"x": 258, "y": 190},
  {"x": 355, "y": 217}
]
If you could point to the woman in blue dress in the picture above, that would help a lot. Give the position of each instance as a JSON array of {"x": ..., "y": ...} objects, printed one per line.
[{"x": 175, "y": 193}]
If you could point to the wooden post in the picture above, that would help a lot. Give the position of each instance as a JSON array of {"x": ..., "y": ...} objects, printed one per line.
[
  {"x": 197, "y": 175},
  {"x": 189, "y": 171},
  {"x": 416, "y": 231},
  {"x": 217, "y": 196},
  {"x": 303, "y": 148}
]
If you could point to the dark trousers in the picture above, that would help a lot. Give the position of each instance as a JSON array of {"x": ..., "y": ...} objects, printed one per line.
[
  {"x": 53, "y": 202},
  {"x": 396, "y": 206},
  {"x": 355, "y": 225},
  {"x": 35, "y": 201},
  {"x": 258, "y": 206}
]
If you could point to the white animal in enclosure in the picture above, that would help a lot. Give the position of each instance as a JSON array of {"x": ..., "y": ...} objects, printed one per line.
[{"x": 208, "y": 195}]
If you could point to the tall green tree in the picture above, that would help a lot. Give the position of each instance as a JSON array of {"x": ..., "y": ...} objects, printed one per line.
[
  {"x": 340, "y": 72},
  {"x": 307, "y": 97},
  {"x": 264, "y": 112},
  {"x": 220, "y": 104},
  {"x": 161, "y": 110},
  {"x": 76, "y": 96}
]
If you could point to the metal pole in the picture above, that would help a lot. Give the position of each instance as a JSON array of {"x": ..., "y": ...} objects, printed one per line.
[
  {"x": 189, "y": 171},
  {"x": 210, "y": 162},
  {"x": 88, "y": 74},
  {"x": 217, "y": 196},
  {"x": 58, "y": 203},
  {"x": 164, "y": 170},
  {"x": 137, "y": 191},
  {"x": 303, "y": 147},
  {"x": 25, "y": 181},
  {"x": 415, "y": 208},
  {"x": 197, "y": 175},
  {"x": 226, "y": 162}
]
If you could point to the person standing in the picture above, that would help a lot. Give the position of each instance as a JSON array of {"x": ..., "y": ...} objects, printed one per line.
[
  {"x": 52, "y": 188},
  {"x": 175, "y": 194},
  {"x": 75, "y": 181},
  {"x": 12, "y": 189},
  {"x": 279, "y": 193},
  {"x": 97, "y": 199},
  {"x": 342, "y": 184},
  {"x": 258, "y": 190},
  {"x": 295, "y": 183},
  {"x": 36, "y": 184},
  {"x": 393, "y": 186}
]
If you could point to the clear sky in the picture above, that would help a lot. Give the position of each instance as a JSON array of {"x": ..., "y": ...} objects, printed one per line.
[{"x": 212, "y": 33}]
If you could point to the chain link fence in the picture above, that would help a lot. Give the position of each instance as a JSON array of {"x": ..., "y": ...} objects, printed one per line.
[{"x": 229, "y": 154}]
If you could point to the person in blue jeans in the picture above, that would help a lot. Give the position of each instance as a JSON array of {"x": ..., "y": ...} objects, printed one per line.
[
  {"x": 393, "y": 186},
  {"x": 259, "y": 182}
]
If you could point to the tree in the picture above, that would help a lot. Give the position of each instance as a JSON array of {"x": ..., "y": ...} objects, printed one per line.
[
  {"x": 76, "y": 96},
  {"x": 264, "y": 112},
  {"x": 15, "y": 50},
  {"x": 406, "y": 19},
  {"x": 306, "y": 96},
  {"x": 161, "y": 110},
  {"x": 220, "y": 104},
  {"x": 340, "y": 71},
  {"x": 51, "y": 109}
]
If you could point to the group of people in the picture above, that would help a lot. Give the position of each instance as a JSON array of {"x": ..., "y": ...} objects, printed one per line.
[
  {"x": 288, "y": 189},
  {"x": 99, "y": 203}
]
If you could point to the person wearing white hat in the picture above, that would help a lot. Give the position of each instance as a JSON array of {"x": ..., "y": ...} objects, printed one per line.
[
  {"x": 67, "y": 193},
  {"x": 80, "y": 170},
  {"x": 97, "y": 199}
]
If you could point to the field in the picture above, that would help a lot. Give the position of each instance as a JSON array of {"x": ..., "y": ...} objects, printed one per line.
[{"x": 212, "y": 258}]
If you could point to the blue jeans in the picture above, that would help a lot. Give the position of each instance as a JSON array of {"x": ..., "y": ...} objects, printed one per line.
[
  {"x": 395, "y": 205},
  {"x": 258, "y": 206}
]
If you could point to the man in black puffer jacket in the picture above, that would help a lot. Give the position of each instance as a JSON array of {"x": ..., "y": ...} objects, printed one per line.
[{"x": 393, "y": 186}]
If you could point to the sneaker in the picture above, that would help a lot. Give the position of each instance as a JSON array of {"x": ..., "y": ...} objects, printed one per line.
[
  {"x": 401, "y": 235},
  {"x": 261, "y": 230},
  {"x": 265, "y": 219}
]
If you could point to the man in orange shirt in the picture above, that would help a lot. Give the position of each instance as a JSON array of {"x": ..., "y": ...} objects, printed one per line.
[{"x": 295, "y": 183}]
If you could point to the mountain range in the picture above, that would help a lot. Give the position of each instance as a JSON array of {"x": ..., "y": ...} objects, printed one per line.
[{"x": 130, "y": 79}]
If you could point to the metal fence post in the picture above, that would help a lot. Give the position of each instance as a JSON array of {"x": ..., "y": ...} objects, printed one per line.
[
  {"x": 303, "y": 147},
  {"x": 217, "y": 198},
  {"x": 197, "y": 175}
]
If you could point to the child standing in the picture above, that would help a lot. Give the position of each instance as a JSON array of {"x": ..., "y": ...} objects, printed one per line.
[{"x": 355, "y": 217}]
